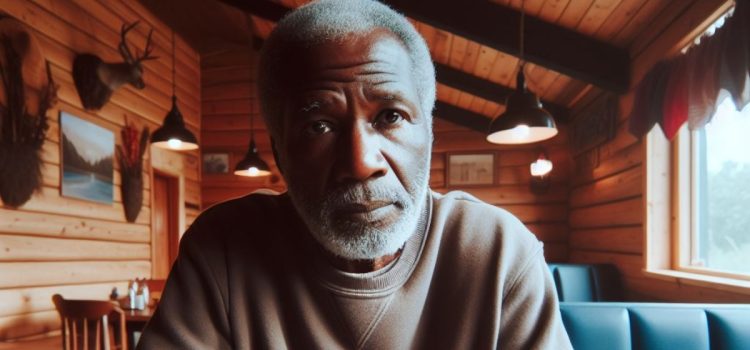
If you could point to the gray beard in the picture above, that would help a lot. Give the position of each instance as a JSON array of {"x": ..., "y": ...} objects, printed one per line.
[{"x": 358, "y": 240}]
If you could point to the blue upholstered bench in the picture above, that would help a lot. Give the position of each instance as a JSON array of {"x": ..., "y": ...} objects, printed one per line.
[
  {"x": 615, "y": 326},
  {"x": 586, "y": 282}
]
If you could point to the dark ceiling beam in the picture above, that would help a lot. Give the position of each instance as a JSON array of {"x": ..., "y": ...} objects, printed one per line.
[
  {"x": 487, "y": 90},
  {"x": 445, "y": 75},
  {"x": 460, "y": 116},
  {"x": 548, "y": 45}
]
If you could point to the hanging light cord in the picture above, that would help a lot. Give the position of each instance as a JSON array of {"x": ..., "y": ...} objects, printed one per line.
[
  {"x": 252, "y": 56},
  {"x": 252, "y": 128},
  {"x": 173, "y": 69},
  {"x": 522, "y": 34}
]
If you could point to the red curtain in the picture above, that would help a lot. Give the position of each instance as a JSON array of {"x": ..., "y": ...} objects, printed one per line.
[{"x": 686, "y": 88}]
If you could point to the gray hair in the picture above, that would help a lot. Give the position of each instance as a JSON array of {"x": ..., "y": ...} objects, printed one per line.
[{"x": 330, "y": 21}]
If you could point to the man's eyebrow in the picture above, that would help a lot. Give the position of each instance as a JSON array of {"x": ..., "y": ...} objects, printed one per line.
[
  {"x": 311, "y": 106},
  {"x": 386, "y": 95}
]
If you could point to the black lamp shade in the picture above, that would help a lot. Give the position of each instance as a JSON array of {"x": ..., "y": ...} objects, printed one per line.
[
  {"x": 173, "y": 134},
  {"x": 252, "y": 165},
  {"x": 524, "y": 119}
]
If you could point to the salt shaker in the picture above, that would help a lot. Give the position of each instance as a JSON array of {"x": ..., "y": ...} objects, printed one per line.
[
  {"x": 132, "y": 291},
  {"x": 139, "y": 302},
  {"x": 146, "y": 293}
]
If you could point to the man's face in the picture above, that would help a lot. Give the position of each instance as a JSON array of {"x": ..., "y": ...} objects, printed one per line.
[{"x": 355, "y": 146}]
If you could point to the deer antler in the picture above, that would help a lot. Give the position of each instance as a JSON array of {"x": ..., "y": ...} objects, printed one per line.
[
  {"x": 123, "y": 47},
  {"x": 147, "y": 50}
]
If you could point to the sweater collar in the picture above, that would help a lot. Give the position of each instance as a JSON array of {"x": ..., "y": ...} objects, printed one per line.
[{"x": 380, "y": 282}]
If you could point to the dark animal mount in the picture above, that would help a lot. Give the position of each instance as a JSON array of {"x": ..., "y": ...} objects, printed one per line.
[
  {"x": 96, "y": 80},
  {"x": 21, "y": 133}
]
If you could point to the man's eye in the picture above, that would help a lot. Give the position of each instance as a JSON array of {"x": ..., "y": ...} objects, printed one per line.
[
  {"x": 319, "y": 127},
  {"x": 389, "y": 117}
]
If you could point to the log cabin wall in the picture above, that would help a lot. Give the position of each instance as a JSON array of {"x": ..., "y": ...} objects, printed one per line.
[
  {"x": 228, "y": 102},
  {"x": 229, "y": 99},
  {"x": 81, "y": 249},
  {"x": 606, "y": 201}
]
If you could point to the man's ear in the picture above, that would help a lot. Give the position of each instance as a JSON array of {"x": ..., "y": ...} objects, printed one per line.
[{"x": 276, "y": 155}]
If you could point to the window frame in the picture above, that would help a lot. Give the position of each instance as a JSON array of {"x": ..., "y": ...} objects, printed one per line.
[
  {"x": 658, "y": 165},
  {"x": 668, "y": 202},
  {"x": 686, "y": 204}
]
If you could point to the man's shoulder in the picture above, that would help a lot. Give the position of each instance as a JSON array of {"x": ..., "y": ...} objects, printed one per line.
[
  {"x": 257, "y": 201},
  {"x": 256, "y": 209},
  {"x": 467, "y": 218},
  {"x": 462, "y": 205}
]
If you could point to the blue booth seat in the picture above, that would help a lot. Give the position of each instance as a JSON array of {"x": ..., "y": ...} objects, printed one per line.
[
  {"x": 586, "y": 282},
  {"x": 615, "y": 326}
]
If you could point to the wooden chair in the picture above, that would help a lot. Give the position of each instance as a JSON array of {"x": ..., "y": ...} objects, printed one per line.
[{"x": 85, "y": 324}]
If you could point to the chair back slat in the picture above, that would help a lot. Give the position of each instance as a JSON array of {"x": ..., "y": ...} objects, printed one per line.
[
  {"x": 85, "y": 324},
  {"x": 85, "y": 331},
  {"x": 73, "y": 334},
  {"x": 105, "y": 332},
  {"x": 99, "y": 333}
]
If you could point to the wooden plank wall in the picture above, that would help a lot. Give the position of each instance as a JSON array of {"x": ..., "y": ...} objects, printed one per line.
[
  {"x": 228, "y": 102},
  {"x": 80, "y": 249},
  {"x": 229, "y": 99},
  {"x": 606, "y": 202}
]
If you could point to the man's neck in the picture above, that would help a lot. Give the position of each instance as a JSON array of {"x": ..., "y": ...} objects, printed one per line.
[{"x": 364, "y": 265}]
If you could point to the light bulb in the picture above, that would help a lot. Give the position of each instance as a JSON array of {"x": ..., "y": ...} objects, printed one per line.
[
  {"x": 521, "y": 131},
  {"x": 541, "y": 167},
  {"x": 174, "y": 143},
  {"x": 252, "y": 171}
]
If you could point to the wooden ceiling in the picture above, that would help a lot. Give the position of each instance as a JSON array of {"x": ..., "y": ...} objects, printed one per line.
[{"x": 572, "y": 46}]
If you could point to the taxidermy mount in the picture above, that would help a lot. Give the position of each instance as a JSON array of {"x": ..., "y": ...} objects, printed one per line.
[
  {"x": 96, "y": 80},
  {"x": 25, "y": 95}
]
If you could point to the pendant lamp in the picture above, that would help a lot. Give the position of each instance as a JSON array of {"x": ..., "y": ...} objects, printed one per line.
[
  {"x": 524, "y": 119},
  {"x": 173, "y": 134},
  {"x": 252, "y": 165}
]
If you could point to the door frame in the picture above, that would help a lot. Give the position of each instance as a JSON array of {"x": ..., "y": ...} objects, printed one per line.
[
  {"x": 164, "y": 162},
  {"x": 173, "y": 233}
]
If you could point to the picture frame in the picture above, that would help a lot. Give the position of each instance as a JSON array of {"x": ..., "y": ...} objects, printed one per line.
[
  {"x": 470, "y": 169},
  {"x": 87, "y": 158},
  {"x": 216, "y": 163}
]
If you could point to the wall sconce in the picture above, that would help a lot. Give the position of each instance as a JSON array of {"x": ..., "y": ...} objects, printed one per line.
[{"x": 540, "y": 179}]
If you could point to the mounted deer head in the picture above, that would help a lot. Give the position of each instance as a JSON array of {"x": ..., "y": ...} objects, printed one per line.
[{"x": 95, "y": 80}]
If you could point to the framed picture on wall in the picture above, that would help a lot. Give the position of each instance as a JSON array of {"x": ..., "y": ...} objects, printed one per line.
[
  {"x": 87, "y": 159},
  {"x": 215, "y": 163},
  {"x": 470, "y": 169}
]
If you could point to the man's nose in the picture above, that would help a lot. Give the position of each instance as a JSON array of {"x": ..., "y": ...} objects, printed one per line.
[{"x": 360, "y": 155}]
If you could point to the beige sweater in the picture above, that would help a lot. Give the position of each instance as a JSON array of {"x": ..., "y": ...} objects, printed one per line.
[{"x": 250, "y": 276}]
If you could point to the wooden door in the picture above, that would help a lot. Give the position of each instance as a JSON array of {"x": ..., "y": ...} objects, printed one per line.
[{"x": 165, "y": 238}]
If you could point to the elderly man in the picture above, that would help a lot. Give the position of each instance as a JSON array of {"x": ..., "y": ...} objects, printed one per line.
[{"x": 359, "y": 253}]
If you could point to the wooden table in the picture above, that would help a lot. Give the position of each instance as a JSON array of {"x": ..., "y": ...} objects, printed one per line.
[{"x": 135, "y": 322}]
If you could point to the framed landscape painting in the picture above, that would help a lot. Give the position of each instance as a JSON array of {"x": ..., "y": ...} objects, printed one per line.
[
  {"x": 87, "y": 159},
  {"x": 470, "y": 169}
]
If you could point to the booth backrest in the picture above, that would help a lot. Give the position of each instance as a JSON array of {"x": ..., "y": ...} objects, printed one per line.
[
  {"x": 586, "y": 282},
  {"x": 616, "y": 326}
]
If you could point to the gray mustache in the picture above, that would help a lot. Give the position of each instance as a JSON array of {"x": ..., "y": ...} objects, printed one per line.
[{"x": 362, "y": 193}]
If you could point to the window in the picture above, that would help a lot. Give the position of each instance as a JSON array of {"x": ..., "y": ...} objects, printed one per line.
[
  {"x": 714, "y": 195},
  {"x": 697, "y": 200}
]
